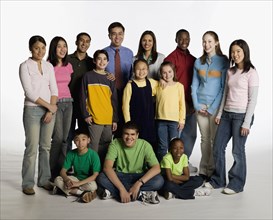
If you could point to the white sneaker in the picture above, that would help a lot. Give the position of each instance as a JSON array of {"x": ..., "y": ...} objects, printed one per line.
[
  {"x": 208, "y": 185},
  {"x": 203, "y": 191},
  {"x": 229, "y": 191},
  {"x": 150, "y": 197},
  {"x": 169, "y": 195},
  {"x": 106, "y": 194},
  {"x": 192, "y": 168}
]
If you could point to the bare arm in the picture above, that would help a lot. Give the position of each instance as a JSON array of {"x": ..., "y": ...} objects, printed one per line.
[{"x": 178, "y": 179}]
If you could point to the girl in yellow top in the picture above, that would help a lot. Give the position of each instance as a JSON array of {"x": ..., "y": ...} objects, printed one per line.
[
  {"x": 170, "y": 108},
  {"x": 138, "y": 104}
]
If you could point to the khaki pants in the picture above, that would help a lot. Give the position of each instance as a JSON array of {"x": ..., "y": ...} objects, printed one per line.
[{"x": 59, "y": 182}]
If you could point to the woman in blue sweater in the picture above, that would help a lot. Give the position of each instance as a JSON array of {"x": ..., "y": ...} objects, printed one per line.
[{"x": 207, "y": 91}]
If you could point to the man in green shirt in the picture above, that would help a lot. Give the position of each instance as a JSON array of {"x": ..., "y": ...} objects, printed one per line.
[{"x": 131, "y": 170}]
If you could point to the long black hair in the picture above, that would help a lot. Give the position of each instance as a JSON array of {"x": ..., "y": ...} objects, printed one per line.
[
  {"x": 247, "y": 63},
  {"x": 52, "y": 55}
]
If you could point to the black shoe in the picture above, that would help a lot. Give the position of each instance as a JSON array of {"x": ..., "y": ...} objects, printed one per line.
[{"x": 204, "y": 177}]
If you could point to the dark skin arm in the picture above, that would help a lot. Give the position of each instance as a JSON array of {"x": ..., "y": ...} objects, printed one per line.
[{"x": 178, "y": 179}]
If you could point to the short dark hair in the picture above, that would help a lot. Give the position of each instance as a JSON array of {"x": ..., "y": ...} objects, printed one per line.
[
  {"x": 79, "y": 131},
  {"x": 97, "y": 52},
  {"x": 114, "y": 25},
  {"x": 173, "y": 141},
  {"x": 130, "y": 125},
  {"x": 82, "y": 33},
  {"x": 181, "y": 31}
]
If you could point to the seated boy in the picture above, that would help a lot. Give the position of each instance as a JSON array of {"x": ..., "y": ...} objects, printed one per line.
[
  {"x": 86, "y": 164},
  {"x": 124, "y": 176}
]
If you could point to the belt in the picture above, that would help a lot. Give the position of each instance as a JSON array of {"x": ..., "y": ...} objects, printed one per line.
[{"x": 65, "y": 100}]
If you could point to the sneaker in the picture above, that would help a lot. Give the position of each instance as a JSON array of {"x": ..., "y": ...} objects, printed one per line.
[
  {"x": 150, "y": 197},
  {"x": 106, "y": 194},
  {"x": 168, "y": 195},
  {"x": 208, "y": 185},
  {"x": 229, "y": 191},
  {"x": 192, "y": 168},
  {"x": 203, "y": 191},
  {"x": 29, "y": 191},
  {"x": 57, "y": 191},
  {"x": 88, "y": 196}
]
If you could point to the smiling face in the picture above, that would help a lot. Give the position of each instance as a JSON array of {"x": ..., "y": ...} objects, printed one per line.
[
  {"x": 237, "y": 55},
  {"x": 38, "y": 51},
  {"x": 129, "y": 137},
  {"x": 141, "y": 71},
  {"x": 83, "y": 43},
  {"x": 177, "y": 150},
  {"x": 61, "y": 50},
  {"x": 183, "y": 40},
  {"x": 116, "y": 36},
  {"x": 167, "y": 73},
  {"x": 209, "y": 44},
  {"x": 101, "y": 62},
  {"x": 147, "y": 42}
]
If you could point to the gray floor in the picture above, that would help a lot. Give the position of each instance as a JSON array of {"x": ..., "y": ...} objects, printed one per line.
[{"x": 254, "y": 203}]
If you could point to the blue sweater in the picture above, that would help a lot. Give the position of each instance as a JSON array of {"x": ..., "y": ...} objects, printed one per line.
[{"x": 208, "y": 83}]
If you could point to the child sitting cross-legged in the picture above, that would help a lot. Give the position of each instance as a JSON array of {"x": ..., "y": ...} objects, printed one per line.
[
  {"x": 178, "y": 182},
  {"x": 86, "y": 164}
]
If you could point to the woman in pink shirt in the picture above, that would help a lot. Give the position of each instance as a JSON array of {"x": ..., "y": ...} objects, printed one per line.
[
  {"x": 235, "y": 117},
  {"x": 57, "y": 56},
  {"x": 41, "y": 93}
]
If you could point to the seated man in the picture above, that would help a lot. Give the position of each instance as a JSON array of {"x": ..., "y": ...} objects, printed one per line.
[{"x": 136, "y": 174}]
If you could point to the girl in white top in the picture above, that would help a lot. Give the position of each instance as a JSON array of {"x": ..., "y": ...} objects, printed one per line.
[
  {"x": 235, "y": 117},
  {"x": 41, "y": 93}
]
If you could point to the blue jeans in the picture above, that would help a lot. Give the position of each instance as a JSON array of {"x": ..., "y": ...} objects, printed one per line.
[
  {"x": 184, "y": 190},
  {"x": 229, "y": 127},
  {"x": 38, "y": 134},
  {"x": 59, "y": 137},
  {"x": 166, "y": 130},
  {"x": 128, "y": 180},
  {"x": 189, "y": 133}
]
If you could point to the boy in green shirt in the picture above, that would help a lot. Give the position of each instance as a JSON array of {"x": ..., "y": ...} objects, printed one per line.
[
  {"x": 86, "y": 164},
  {"x": 124, "y": 176}
]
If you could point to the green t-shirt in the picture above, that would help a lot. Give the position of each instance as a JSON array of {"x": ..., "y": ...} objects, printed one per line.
[
  {"x": 176, "y": 168},
  {"x": 84, "y": 165},
  {"x": 131, "y": 159}
]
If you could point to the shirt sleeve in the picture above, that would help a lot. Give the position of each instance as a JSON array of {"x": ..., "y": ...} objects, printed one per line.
[
  {"x": 182, "y": 106},
  {"x": 127, "y": 93},
  {"x": 252, "y": 100},
  {"x": 25, "y": 79}
]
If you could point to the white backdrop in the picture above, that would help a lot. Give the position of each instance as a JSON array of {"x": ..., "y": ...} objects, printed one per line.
[{"x": 249, "y": 20}]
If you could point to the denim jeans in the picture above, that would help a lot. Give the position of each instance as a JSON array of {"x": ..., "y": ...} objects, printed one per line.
[
  {"x": 189, "y": 133},
  {"x": 59, "y": 137},
  {"x": 38, "y": 136},
  {"x": 207, "y": 127},
  {"x": 166, "y": 130},
  {"x": 229, "y": 127},
  {"x": 128, "y": 180},
  {"x": 184, "y": 190}
]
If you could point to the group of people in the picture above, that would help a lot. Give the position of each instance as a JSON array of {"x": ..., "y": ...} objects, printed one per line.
[{"x": 136, "y": 117}]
